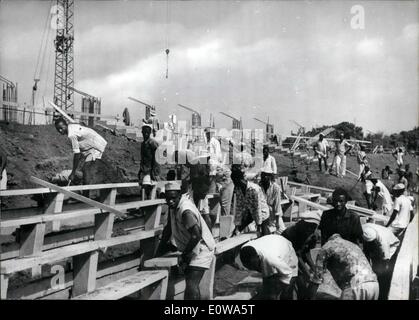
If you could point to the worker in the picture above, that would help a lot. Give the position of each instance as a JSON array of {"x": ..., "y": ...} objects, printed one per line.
[
  {"x": 88, "y": 148},
  {"x": 409, "y": 177},
  {"x": 274, "y": 257},
  {"x": 149, "y": 168},
  {"x": 349, "y": 268},
  {"x": 250, "y": 201},
  {"x": 398, "y": 155},
  {"x": 213, "y": 149},
  {"x": 402, "y": 178},
  {"x": 223, "y": 178},
  {"x": 321, "y": 149},
  {"x": 374, "y": 188},
  {"x": 342, "y": 149},
  {"x": 386, "y": 172},
  {"x": 3, "y": 172},
  {"x": 380, "y": 246},
  {"x": 303, "y": 236},
  {"x": 272, "y": 192},
  {"x": 361, "y": 158},
  {"x": 269, "y": 162},
  {"x": 402, "y": 212},
  {"x": 188, "y": 231},
  {"x": 340, "y": 220}
]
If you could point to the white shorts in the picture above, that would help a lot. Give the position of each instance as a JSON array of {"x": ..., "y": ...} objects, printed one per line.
[
  {"x": 3, "y": 181},
  {"x": 203, "y": 258}
]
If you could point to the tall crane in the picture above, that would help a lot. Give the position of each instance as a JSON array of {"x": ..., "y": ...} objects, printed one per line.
[
  {"x": 237, "y": 124},
  {"x": 64, "y": 59},
  {"x": 196, "y": 116},
  {"x": 150, "y": 111}
]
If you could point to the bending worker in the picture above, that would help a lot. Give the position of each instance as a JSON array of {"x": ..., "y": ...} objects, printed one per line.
[{"x": 275, "y": 258}]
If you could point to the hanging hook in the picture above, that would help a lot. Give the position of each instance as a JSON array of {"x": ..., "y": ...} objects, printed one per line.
[{"x": 167, "y": 63}]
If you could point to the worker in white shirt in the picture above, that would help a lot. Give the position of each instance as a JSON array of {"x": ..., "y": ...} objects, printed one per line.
[
  {"x": 275, "y": 257},
  {"x": 374, "y": 188},
  {"x": 380, "y": 246},
  {"x": 215, "y": 159},
  {"x": 321, "y": 150},
  {"x": 269, "y": 162},
  {"x": 88, "y": 147},
  {"x": 342, "y": 149},
  {"x": 402, "y": 213},
  {"x": 361, "y": 157}
]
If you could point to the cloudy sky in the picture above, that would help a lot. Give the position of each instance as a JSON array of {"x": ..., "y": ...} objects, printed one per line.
[{"x": 298, "y": 60}]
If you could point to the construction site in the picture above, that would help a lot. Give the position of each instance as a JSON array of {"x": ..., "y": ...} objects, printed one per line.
[{"x": 68, "y": 240}]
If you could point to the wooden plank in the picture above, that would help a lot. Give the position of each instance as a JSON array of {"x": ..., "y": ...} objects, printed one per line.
[
  {"x": 103, "y": 225},
  {"x": 84, "y": 273},
  {"x": 31, "y": 239},
  {"x": 406, "y": 264},
  {"x": 15, "y": 265},
  {"x": 291, "y": 183},
  {"x": 71, "y": 194},
  {"x": 367, "y": 212},
  {"x": 152, "y": 217},
  {"x": 126, "y": 286},
  {"x": 73, "y": 214},
  {"x": 310, "y": 203},
  {"x": 226, "y": 226},
  {"x": 206, "y": 286},
  {"x": 4, "y": 283},
  {"x": 43, "y": 287},
  {"x": 54, "y": 207},
  {"x": 32, "y": 191},
  {"x": 73, "y": 236},
  {"x": 233, "y": 242}
]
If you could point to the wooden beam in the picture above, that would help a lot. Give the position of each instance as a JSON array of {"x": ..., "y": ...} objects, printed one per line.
[
  {"x": 40, "y": 288},
  {"x": 4, "y": 284},
  {"x": 367, "y": 212},
  {"x": 84, "y": 273},
  {"x": 310, "y": 203},
  {"x": 15, "y": 265},
  {"x": 73, "y": 214},
  {"x": 126, "y": 286},
  {"x": 233, "y": 242},
  {"x": 26, "y": 192},
  {"x": 71, "y": 194}
]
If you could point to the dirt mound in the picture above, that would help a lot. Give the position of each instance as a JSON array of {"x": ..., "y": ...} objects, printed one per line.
[{"x": 41, "y": 152}]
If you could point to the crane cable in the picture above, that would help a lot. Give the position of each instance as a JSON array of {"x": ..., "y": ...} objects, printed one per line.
[
  {"x": 42, "y": 50},
  {"x": 167, "y": 38}
]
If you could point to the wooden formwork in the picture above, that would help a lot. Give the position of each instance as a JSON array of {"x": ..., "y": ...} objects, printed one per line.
[{"x": 66, "y": 264}]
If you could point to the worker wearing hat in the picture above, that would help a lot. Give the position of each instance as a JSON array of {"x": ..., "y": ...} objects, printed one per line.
[
  {"x": 149, "y": 167},
  {"x": 272, "y": 192},
  {"x": 402, "y": 213},
  {"x": 402, "y": 178},
  {"x": 380, "y": 246},
  {"x": 187, "y": 230}
]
